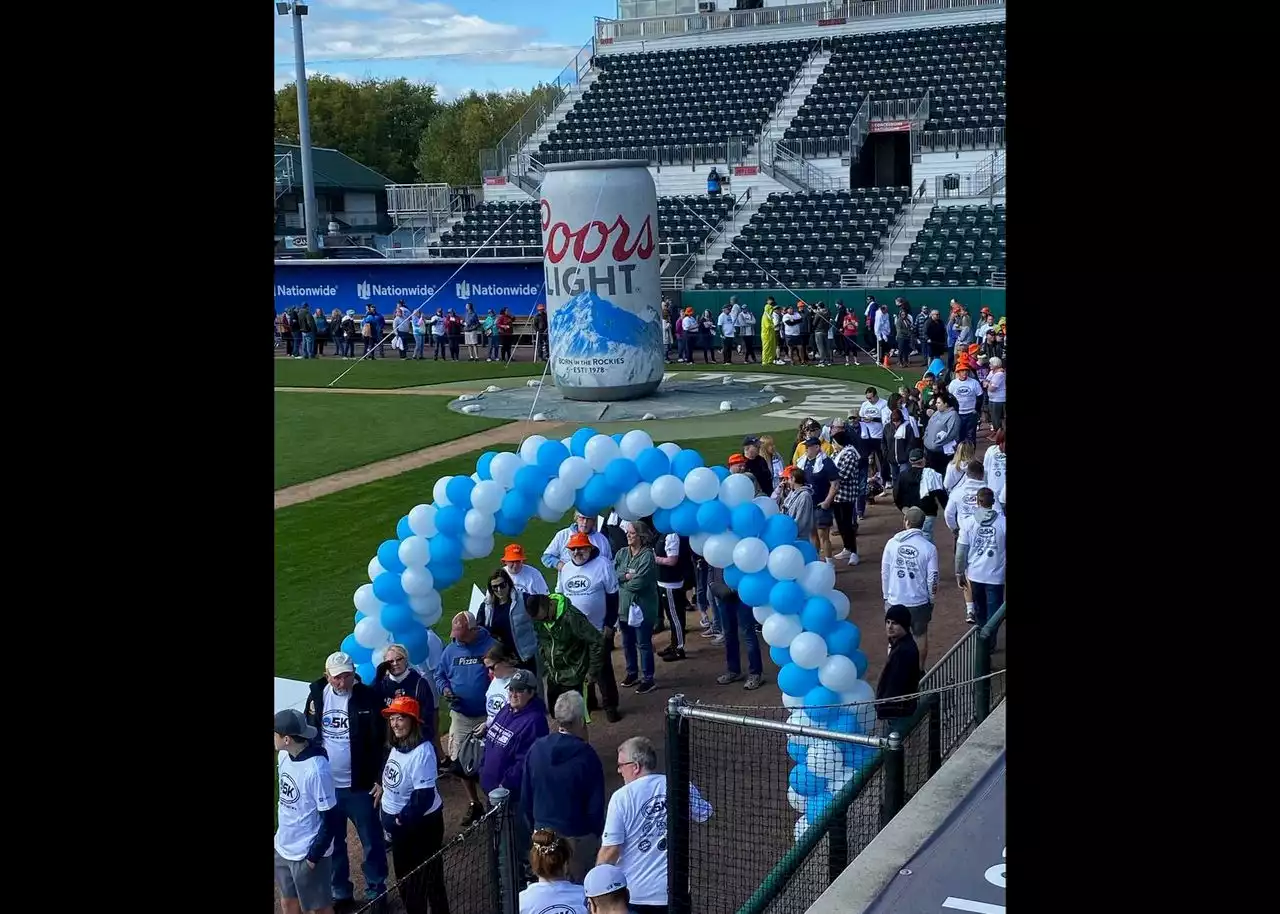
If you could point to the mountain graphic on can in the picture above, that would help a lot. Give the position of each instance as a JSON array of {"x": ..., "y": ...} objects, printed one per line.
[{"x": 604, "y": 298}]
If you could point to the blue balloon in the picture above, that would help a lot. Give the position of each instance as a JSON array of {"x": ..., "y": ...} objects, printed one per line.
[
  {"x": 662, "y": 520},
  {"x": 747, "y": 520},
  {"x": 843, "y": 638},
  {"x": 451, "y": 521},
  {"x": 596, "y": 495},
  {"x": 787, "y": 597},
  {"x": 621, "y": 474},
  {"x": 617, "y": 436},
  {"x": 352, "y": 648},
  {"x": 798, "y": 751},
  {"x": 359, "y": 616},
  {"x": 858, "y": 757},
  {"x": 386, "y": 587},
  {"x": 733, "y": 577},
  {"x": 780, "y": 655},
  {"x": 507, "y": 526},
  {"x": 403, "y": 530},
  {"x": 551, "y": 454},
  {"x": 816, "y": 698},
  {"x": 778, "y": 531},
  {"x": 516, "y": 505},
  {"x": 684, "y": 518},
  {"x": 805, "y": 782},
  {"x": 459, "y": 491},
  {"x": 722, "y": 473},
  {"x": 796, "y": 681},
  {"x": 756, "y": 587},
  {"x": 482, "y": 464},
  {"x": 806, "y": 549},
  {"x": 578, "y": 441},
  {"x": 416, "y": 642},
  {"x": 860, "y": 662},
  {"x": 389, "y": 556},
  {"x": 444, "y": 548},
  {"x": 685, "y": 463},
  {"x": 366, "y": 672},
  {"x": 847, "y": 721},
  {"x": 818, "y": 615},
  {"x": 652, "y": 463},
  {"x": 713, "y": 516},
  {"x": 446, "y": 574},
  {"x": 816, "y": 806},
  {"x": 530, "y": 481},
  {"x": 396, "y": 617}
]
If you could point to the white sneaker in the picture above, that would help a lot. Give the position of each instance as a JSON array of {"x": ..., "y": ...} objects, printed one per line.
[
  {"x": 842, "y": 554},
  {"x": 853, "y": 558}
]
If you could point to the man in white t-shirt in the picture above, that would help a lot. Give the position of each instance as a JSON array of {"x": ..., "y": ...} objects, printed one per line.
[
  {"x": 635, "y": 825},
  {"x": 980, "y": 556},
  {"x": 308, "y": 819},
  {"x": 556, "y": 555},
  {"x": 728, "y": 330},
  {"x": 966, "y": 389},
  {"x": 591, "y": 584},
  {"x": 606, "y": 889},
  {"x": 526, "y": 579}
]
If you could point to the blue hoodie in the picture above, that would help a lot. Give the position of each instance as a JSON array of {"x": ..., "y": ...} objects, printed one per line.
[
  {"x": 461, "y": 668},
  {"x": 564, "y": 786},
  {"x": 506, "y": 743}
]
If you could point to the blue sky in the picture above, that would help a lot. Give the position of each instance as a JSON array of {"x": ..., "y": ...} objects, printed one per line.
[{"x": 461, "y": 45}]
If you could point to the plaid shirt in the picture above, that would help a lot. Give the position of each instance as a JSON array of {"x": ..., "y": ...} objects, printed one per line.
[{"x": 852, "y": 475}]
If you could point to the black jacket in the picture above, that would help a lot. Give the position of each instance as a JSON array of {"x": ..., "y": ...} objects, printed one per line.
[
  {"x": 758, "y": 467},
  {"x": 901, "y": 676},
  {"x": 936, "y": 333},
  {"x": 366, "y": 725},
  {"x": 898, "y": 449},
  {"x": 414, "y": 685},
  {"x": 906, "y": 494}
]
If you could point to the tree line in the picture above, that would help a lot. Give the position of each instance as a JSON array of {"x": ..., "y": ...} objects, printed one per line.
[{"x": 401, "y": 128}]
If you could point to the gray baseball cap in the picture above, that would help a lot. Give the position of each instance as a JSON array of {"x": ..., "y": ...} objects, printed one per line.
[{"x": 291, "y": 723}]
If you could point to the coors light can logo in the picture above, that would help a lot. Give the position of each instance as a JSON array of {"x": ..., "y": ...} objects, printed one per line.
[{"x": 600, "y": 254}]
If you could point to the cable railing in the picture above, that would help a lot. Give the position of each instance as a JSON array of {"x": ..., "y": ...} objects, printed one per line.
[
  {"x": 962, "y": 140},
  {"x": 730, "y": 151}
]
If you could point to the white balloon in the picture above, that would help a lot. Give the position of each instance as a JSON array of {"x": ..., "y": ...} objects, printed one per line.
[
  {"x": 670, "y": 449},
  {"x": 503, "y": 469},
  {"x": 701, "y": 485},
  {"x": 840, "y": 602},
  {"x": 786, "y": 562},
  {"x": 431, "y": 616},
  {"x": 719, "y": 548},
  {"x": 478, "y": 523},
  {"x": 568, "y": 444},
  {"x": 737, "y": 489},
  {"x": 780, "y": 630},
  {"x": 825, "y": 758},
  {"x": 475, "y": 477},
  {"x": 762, "y": 613},
  {"x": 796, "y": 800},
  {"x": 800, "y": 719},
  {"x": 751, "y": 555},
  {"x": 817, "y": 577},
  {"x": 547, "y": 512},
  {"x": 365, "y": 600},
  {"x": 838, "y": 673},
  {"x": 477, "y": 547},
  {"x": 375, "y": 568},
  {"x": 439, "y": 494},
  {"x": 415, "y": 551},
  {"x": 422, "y": 520},
  {"x": 808, "y": 650},
  {"x": 625, "y": 513},
  {"x": 640, "y": 500},
  {"x": 574, "y": 472},
  {"x": 485, "y": 497},
  {"x": 529, "y": 448},
  {"x": 379, "y": 655},
  {"x": 558, "y": 494},
  {"x": 792, "y": 701},
  {"x": 417, "y": 582},
  {"x": 635, "y": 441},
  {"x": 370, "y": 633},
  {"x": 425, "y": 603},
  {"x": 802, "y": 826},
  {"x": 698, "y": 543},
  {"x": 767, "y": 505},
  {"x": 600, "y": 450},
  {"x": 668, "y": 491},
  {"x": 839, "y": 778},
  {"x": 861, "y": 691}
]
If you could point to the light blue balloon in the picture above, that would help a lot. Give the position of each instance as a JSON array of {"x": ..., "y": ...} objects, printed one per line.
[
  {"x": 451, "y": 521},
  {"x": 860, "y": 662},
  {"x": 815, "y": 698},
  {"x": 386, "y": 587},
  {"x": 816, "y": 806},
  {"x": 482, "y": 464},
  {"x": 805, "y": 782},
  {"x": 778, "y": 531},
  {"x": 662, "y": 520},
  {"x": 843, "y": 638},
  {"x": 780, "y": 655},
  {"x": 446, "y": 574},
  {"x": 733, "y": 577},
  {"x": 353, "y": 649},
  {"x": 685, "y": 463},
  {"x": 652, "y": 463},
  {"x": 403, "y": 530},
  {"x": 787, "y": 597},
  {"x": 722, "y": 473},
  {"x": 396, "y": 617},
  {"x": 445, "y": 548},
  {"x": 507, "y": 526},
  {"x": 550, "y": 455},
  {"x": 747, "y": 520},
  {"x": 459, "y": 491},
  {"x": 578, "y": 441},
  {"x": 806, "y": 549},
  {"x": 366, "y": 672},
  {"x": 516, "y": 505},
  {"x": 818, "y": 615},
  {"x": 684, "y": 518},
  {"x": 596, "y": 495},
  {"x": 755, "y": 588},
  {"x": 617, "y": 436},
  {"x": 796, "y": 681},
  {"x": 713, "y": 516},
  {"x": 530, "y": 481},
  {"x": 798, "y": 751},
  {"x": 621, "y": 474},
  {"x": 416, "y": 642},
  {"x": 389, "y": 556}
]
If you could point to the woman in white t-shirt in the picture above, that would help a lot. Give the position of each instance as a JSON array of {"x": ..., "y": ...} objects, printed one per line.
[
  {"x": 412, "y": 812},
  {"x": 501, "y": 666},
  {"x": 553, "y": 893},
  {"x": 956, "y": 468},
  {"x": 995, "y": 393}
]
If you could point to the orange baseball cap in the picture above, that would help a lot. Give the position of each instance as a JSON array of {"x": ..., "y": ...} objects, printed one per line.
[
  {"x": 403, "y": 704},
  {"x": 736, "y": 458},
  {"x": 513, "y": 553},
  {"x": 786, "y": 473},
  {"x": 579, "y": 540}
]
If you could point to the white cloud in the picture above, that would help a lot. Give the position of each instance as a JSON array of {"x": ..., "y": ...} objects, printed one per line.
[{"x": 399, "y": 29}]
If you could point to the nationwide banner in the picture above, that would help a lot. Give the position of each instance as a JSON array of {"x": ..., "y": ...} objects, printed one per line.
[{"x": 518, "y": 286}]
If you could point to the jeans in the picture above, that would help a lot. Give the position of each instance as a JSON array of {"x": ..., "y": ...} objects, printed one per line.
[
  {"x": 986, "y": 600},
  {"x": 421, "y": 890},
  {"x": 846, "y": 524},
  {"x": 738, "y": 616},
  {"x": 357, "y": 805},
  {"x": 640, "y": 636},
  {"x": 419, "y": 342},
  {"x": 701, "y": 575},
  {"x": 297, "y": 342},
  {"x": 308, "y": 345},
  {"x": 928, "y": 527},
  {"x": 493, "y": 346},
  {"x": 968, "y": 427}
]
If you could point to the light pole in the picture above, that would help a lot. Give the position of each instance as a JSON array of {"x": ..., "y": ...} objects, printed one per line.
[{"x": 297, "y": 10}]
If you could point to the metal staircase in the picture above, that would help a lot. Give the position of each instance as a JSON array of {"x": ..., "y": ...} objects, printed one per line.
[{"x": 284, "y": 174}]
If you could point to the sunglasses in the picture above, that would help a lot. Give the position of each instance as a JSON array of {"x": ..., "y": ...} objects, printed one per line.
[{"x": 499, "y": 585}]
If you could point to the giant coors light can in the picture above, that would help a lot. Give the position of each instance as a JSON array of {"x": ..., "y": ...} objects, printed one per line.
[{"x": 604, "y": 300}]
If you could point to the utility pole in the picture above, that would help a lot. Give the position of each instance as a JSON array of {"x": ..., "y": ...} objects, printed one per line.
[{"x": 296, "y": 10}]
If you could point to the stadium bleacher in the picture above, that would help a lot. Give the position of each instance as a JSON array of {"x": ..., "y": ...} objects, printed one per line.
[
  {"x": 809, "y": 240},
  {"x": 961, "y": 66},
  {"x": 676, "y": 224},
  {"x": 957, "y": 246},
  {"x": 682, "y": 97}
]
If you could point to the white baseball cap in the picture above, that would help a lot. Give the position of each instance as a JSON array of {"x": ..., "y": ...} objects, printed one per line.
[
  {"x": 603, "y": 879},
  {"x": 339, "y": 662}
]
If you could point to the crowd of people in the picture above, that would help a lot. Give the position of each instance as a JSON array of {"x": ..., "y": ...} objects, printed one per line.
[{"x": 521, "y": 677}]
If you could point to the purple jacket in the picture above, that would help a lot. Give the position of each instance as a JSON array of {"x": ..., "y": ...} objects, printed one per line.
[{"x": 507, "y": 742}]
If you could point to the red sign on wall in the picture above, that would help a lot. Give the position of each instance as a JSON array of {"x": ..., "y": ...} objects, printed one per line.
[
  {"x": 841, "y": 21},
  {"x": 745, "y": 171},
  {"x": 888, "y": 126},
  {"x": 495, "y": 182}
]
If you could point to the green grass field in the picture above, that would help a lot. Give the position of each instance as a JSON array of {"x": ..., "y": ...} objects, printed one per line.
[
  {"x": 323, "y": 548},
  {"x": 322, "y": 433},
  {"x": 382, "y": 374}
]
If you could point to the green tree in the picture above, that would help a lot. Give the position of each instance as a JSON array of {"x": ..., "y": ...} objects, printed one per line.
[
  {"x": 378, "y": 122},
  {"x": 451, "y": 144}
]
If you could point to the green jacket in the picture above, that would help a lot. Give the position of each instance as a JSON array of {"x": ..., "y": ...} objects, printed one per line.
[
  {"x": 569, "y": 645},
  {"x": 642, "y": 589}
]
